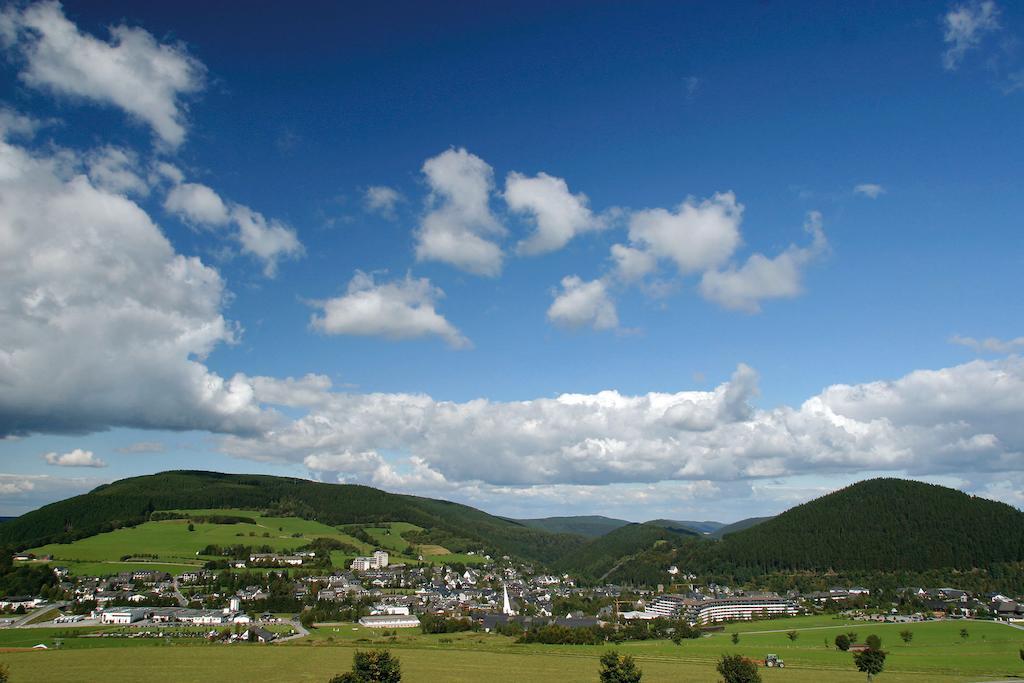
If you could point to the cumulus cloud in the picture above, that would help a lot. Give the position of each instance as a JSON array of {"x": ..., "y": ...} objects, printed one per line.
[
  {"x": 989, "y": 344},
  {"x": 132, "y": 70},
  {"x": 75, "y": 458},
  {"x": 929, "y": 422},
  {"x": 557, "y": 214},
  {"x": 869, "y": 190},
  {"x": 581, "y": 303},
  {"x": 761, "y": 278},
  {"x": 632, "y": 264},
  {"x": 458, "y": 227},
  {"x": 696, "y": 236},
  {"x": 402, "y": 309},
  {"x": 197, "y": 204},
  {"x": 964, "y": 27},
  {"x": 20, "y": 493},
  {"x": 382, "y": 200},
  {"x": 268, "y": 240},
  {"x": 102, "y": 324}
]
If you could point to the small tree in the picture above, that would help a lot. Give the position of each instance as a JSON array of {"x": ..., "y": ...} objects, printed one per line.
[
  {"x": 964, "y": 634},
  {"x": 738, "y": 669},
  {"x": 372, "y": 666},
  {"x": 906, "y": 636},
  {"x": 874, "y": 642},
  {"x": 191, "y": 526},
  {"x": 616, "y": 668},
  {"x": 843, "y": 642},
  {"x": 870, "y": 661},
  {"x": 852, "y": 635},
  {"x": 735, "y": 639},
  {"x": 792, "y": 635},
  {"x": 5, "y": 673}
]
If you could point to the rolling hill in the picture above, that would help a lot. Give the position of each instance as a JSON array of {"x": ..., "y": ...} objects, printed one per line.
[
  {"x": 706, "y": 528},
  {"x": 601, "y": 556},
  {"x": 737, "y": 526},
  {"x": 130, "y": 501},
  {"x": 590, "y": 526}
]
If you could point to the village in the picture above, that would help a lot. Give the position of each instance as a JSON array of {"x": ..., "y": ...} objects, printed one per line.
[{"x": 284, "y": 602}]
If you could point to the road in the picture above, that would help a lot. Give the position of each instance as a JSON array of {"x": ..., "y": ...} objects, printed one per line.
[
  {"x": 182, "y": 600},
  {"x": 301, "y": 631}
]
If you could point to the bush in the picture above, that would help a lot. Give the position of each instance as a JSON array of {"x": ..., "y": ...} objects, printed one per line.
[
  {"x": 843, "y": 642},
  {"x": 874, "y": 642},
  {"x": 5, "y": 673},
  {"x": 616, "y": 668},
  {"x": 372, "y": 666},
  {"x": 738, "y": 669}
]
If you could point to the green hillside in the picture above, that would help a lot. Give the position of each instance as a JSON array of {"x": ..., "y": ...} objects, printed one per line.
[
  {"x": 131, "y": 501},
  {"x": 590, "y": 526},
  {"x": 884, "y": 524}
]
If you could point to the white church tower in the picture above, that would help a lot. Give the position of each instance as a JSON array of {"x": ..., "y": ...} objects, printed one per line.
[{"x": 506, "y": 608}]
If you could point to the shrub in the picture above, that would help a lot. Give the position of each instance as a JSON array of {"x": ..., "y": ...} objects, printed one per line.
[{"x": 843, "y": 642}]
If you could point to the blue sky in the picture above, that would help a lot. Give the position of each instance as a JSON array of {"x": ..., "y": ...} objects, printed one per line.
[{"x": 414, "y": 212}]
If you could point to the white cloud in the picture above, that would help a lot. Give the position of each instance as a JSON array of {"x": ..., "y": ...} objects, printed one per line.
[
  {"x": 75, "y": 458},
  {"x": 20, "y": 493},
  {"x": 116, "y": 170},
  {"x": 197, "y": 204},
  {"x": 132, "y": 71},
  {"x": 869, "y": 190},
  {"x": 632, "y": 264},
  {"x": 267, "y": 240},
  {"x": 989, "y": 344},
  {"x": 964, "y": 28},
  {"x": 763, "y": 278},
  {"x": 581, "y": 303},
  {"x": 403, "y": 309},
  {"x": 558, "y": 215},
  {"x": 102, "y": 324},
  {"x": 459, "y": 227},
  {"x": 696, "y": 236},
  {"x": 382, "y": 200},
  {"x": 929, "y": 422}
]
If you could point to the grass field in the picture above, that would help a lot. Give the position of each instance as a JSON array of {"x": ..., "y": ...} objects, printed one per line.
[
  {"x": 175, "y": 547},
  {"x": 937, "y": 653}
]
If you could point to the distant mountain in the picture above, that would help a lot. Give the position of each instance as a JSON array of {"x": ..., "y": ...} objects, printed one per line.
[
  {"x": 881, "y": 524},
  {"x": 6, "y": 519},
  {"x": 129, "y": 501},
  {"x": 590, "y": 526},
  {"x": 700, "y": 527},
  {"x": 738, "y": 526}
]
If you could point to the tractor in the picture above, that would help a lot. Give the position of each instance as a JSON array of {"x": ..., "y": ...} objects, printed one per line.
[{"x": 774, "y": 661}]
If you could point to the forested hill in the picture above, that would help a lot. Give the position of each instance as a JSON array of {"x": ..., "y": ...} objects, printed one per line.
[
  {"x": 879, "y": 524},
  {"x": 130, "y": 501}
]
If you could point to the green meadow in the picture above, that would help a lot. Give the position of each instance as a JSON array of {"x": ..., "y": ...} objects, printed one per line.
[
  {"x": 175, "y": 548},
  {"x": 936, "y": 653}
]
